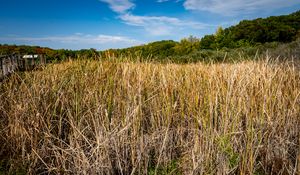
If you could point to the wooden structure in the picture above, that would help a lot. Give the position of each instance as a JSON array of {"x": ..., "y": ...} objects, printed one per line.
[{"x": 16, "y": 62}]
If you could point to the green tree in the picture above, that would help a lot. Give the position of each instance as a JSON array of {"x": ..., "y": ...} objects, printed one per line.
[
  {"x": 207, "y": 42},
  {"x": 219, "y": 38}
]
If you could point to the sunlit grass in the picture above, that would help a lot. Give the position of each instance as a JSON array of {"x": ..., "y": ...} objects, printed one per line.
[{"x": 143, "y": 118}]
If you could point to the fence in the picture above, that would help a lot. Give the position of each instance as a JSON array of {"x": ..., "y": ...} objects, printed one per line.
[{"x": 16, "y": 62}]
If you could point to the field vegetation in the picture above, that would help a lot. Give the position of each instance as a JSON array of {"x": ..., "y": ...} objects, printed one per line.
[{"x": 124, "y": 117}]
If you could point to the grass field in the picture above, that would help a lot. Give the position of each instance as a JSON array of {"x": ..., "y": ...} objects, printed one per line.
[{"x": 100, "y": 117}]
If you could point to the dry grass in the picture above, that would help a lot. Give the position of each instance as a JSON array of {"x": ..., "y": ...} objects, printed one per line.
[{"x": 88, "y": 117}]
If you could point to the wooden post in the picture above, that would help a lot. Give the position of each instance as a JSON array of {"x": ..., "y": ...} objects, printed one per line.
[
  {"x": 25, "y": 64},
  {"x": 32, "y": 62},
  {"x": 8, "y": 65},
  {"x": 19, "y": 62},
  {"x": 14, "y": 61},
  {"x": 11, "y": 64},
  {"x": 10, "y": 60},
  {"x": 22, "y": 63},
  {"x": 41, "y": 60},
  {"x": 5, "y": 70},
  {"x": 1, "y": 68}
]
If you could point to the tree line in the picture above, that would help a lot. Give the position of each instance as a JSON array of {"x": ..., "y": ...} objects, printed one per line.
[{"x": 246, "y": 34}]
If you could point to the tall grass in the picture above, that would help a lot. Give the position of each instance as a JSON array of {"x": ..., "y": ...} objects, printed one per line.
[{"x": 89, "y": 117}]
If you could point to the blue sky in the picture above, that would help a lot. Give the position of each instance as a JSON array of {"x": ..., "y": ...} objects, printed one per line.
[{"x": 103, "y": 24}]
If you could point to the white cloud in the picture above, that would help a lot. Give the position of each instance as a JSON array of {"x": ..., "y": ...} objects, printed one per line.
[
  {"x": 235, "y": 7},
  {"x": 160, "y": 25},
  {"x": 160, "y": 1},
  {"x": 119, "y": 6},
  {"x": 154, "y": 25},
  {"x": 78, "y": 38}
]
